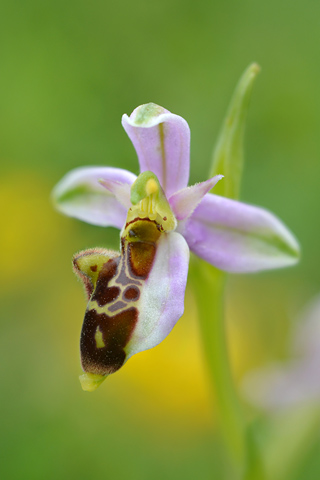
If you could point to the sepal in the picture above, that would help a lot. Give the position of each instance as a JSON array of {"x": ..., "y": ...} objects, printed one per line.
[
  {"x": 81, "y": 195},
  {"x": 162, "y": 142},
  {"x": 237, "y": 237}
]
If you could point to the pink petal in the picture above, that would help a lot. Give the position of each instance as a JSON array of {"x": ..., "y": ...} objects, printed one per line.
[
  {"x": 237, "y": 237},
  {"x": 306, "y": 339},
  {"x": 162, "y": 143},
  {"x": 295, "y": 381},
  {"x": 121, "y": 191},
  {"x": 184, "y": 202},
  {"x": 281, "y": 385},
  {"x": 80, "y": 194}
]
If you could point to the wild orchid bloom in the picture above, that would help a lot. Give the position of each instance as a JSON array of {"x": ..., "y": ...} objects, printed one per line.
[
  {"x": 136, "y": 297},
  {"x": 296, "y": 381}
]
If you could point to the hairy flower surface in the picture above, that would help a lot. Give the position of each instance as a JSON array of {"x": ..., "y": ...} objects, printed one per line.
[{"x": 137, "y": 296}]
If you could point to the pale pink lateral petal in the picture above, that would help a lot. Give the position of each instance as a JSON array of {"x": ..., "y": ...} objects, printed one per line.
[
  {"x": 296, "y": 380},
  {"x": 185, "y": 201},
  {"x": 120, "y": 190},
  {"x": 80, "y": 194},
  {"x": 281, "y": 385},
  {"x": 237, "y": 237},
  {"x": 306, "y": 338},
  {"x": 162, "y": 142},
  {"x": 162, "y": 296}
]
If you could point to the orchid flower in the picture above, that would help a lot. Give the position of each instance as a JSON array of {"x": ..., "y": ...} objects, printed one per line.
[
  {"x": 137, "y": 296},
  {"x": 295, "y": 381}
]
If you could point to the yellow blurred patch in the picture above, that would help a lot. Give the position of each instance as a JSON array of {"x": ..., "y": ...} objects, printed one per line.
[{"x": 28, "y": 226}]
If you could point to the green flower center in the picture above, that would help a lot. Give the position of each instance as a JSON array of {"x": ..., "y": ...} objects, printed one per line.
[{"x": 149, "y": 201}]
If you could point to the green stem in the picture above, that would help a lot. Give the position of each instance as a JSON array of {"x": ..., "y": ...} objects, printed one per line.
[
  {"x": 209, "y": 289},
  {"x": 239, "y": 438}
]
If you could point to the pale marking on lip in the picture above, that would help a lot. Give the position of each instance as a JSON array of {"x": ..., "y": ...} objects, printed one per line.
[{"x": 98, "y": 338}]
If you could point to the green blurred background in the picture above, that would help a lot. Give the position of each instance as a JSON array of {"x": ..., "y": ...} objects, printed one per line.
[{"x": 69, "y": 70}]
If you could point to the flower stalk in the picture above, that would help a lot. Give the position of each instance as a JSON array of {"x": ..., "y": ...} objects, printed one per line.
[{"x": 208, "y": 285}]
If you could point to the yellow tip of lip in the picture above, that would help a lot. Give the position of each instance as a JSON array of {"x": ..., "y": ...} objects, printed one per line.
[
  {"x": 91, "y": 381},
  {"x": 151, "y": 186}
]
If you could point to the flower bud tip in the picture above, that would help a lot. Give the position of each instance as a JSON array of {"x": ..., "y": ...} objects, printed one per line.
[{"x": 91, "y": 381}]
